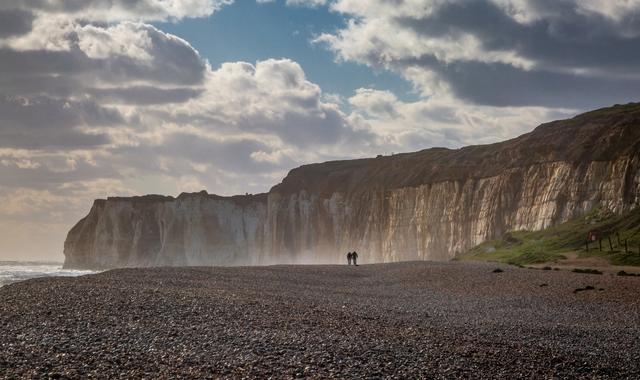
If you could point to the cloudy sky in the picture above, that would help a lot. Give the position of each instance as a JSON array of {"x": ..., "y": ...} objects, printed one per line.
[{"x": 125, "y": 97}]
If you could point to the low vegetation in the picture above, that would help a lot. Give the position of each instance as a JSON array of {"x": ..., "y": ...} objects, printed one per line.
[
  {"x": 588, "y": 287},
  {"x": 623, "y": 273},
  {"x": 586, "y": 271},
  {"x": 552, "y": 244}
]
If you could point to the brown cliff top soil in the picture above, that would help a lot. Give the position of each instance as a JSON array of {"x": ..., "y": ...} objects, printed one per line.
[
  {"x": 600, "y": 135},
  {"x": 405, "y": 320},
  {"x": 154, "y": 198}
]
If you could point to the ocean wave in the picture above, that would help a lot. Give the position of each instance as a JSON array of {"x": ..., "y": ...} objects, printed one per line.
[{"x": 16, "y": 271}]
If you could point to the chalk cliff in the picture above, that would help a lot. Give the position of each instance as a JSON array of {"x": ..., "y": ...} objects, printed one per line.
[
  {"x": 427, "y": 205},
  {"x": 192, "y": 229}
]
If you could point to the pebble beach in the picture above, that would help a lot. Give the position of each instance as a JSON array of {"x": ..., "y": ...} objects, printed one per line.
[{"x": 397, "y": 321}]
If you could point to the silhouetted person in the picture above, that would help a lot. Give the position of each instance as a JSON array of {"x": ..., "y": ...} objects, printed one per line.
[
  {"x": 354, "y": 257},
  {"x": 349, "y": 256}
]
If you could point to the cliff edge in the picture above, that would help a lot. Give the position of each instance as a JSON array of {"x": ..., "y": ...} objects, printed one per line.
[{"x": 427, "y": 205}]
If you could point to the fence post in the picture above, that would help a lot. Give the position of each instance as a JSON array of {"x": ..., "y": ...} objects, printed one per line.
[
  {"x": 626, "y": 246},
  {"x": 610, "y": 243},
  {"x": 600, "y": 244}
]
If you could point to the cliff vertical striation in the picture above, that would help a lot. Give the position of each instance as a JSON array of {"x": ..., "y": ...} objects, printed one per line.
[
  {"x": 427, "y": 205},
  {"x": 192, "y": 229}
]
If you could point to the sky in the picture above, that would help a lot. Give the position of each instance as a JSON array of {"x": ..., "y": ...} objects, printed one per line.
[{"x": 128, "y": 97}]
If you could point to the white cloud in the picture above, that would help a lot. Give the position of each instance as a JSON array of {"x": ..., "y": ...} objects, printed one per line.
[
  {"x": 375, "y": 103},
  {"x": 81, "y": 82},
  {"x": 90, "y": 109},
  {"x": 441, "y": 121},
  {"x": 298, "y": 3},
  {"x": 307, "y": 3},
  {"x": 499, "y": 52},
  {"x": 527, "y": 11},
  {"x": 123, "y": 39},
  {"x": 97, "y": 102},
  {"x": 119, "y": 10}
]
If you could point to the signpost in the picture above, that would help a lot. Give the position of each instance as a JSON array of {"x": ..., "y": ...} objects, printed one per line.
[{"x": 593, "y": 236}]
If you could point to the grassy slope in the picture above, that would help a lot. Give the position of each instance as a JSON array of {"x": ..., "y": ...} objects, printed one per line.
[{"x": 524, "y": 247}]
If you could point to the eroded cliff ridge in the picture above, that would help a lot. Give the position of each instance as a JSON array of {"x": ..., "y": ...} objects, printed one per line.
[{"x": 427, "y": 205}]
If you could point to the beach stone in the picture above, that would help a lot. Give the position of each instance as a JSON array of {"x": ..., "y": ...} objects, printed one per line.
[{"x": 404, "y": 320}]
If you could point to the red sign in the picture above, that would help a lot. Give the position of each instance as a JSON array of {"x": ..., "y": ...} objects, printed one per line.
[{"x": 593, "y": 236}]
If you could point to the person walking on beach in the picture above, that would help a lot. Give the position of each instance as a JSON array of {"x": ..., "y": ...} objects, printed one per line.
[
  {"x": 349, "y": 256},
  {"x": 354, "y": 257}
]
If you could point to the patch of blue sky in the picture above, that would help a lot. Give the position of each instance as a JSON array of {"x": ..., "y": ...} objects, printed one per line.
[{"x": 247, "y": 31}]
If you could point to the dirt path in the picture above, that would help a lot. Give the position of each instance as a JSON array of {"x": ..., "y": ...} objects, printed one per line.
[{"x": 572, "y": 261}]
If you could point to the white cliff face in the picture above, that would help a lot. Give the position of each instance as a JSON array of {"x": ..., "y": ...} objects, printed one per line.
[
  {"x": 437, "y": 221},
  {"x": 195, "y": 229},
  {"x": 428, "y": 205}
]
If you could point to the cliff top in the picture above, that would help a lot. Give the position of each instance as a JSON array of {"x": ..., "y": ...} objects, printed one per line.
[
  {"x": 600, "y": 135},
  {"x": 153, "y": 198}
]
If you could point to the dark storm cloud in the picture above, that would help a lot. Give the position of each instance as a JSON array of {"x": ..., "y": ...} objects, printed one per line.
[
  {"x": 38, "y": 88},
  {"x": 54, "y": 85},
  {"x": 71, "y": 6},
  {"x": 15, "y": 22},
  {"x": 42, "y": 113},
  {"x": 143, "y": 95},
  {"x": 306, "y": 130},
  {"x": 44, "y": 177},
  {"x": 303, "y": 129},
  {"x": 499, "y": 84},
  {"x": 563, "y": 54},
  {"x": 229, "y": 155},
  {"x": 569, "y": 39},
  {"x": 110, "y": 9},
  {"x": 43, "y": 62},
  {"x": 55, "y": 139},
  {"x": 41, "y": 122},
  {"x": 173, "y": 63}
]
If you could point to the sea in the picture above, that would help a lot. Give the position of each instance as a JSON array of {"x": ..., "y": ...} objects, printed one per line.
[{"x": 15, "y": 271}]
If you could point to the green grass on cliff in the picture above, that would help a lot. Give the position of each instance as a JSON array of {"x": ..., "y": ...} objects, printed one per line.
[{"x": 524, "y": 247}]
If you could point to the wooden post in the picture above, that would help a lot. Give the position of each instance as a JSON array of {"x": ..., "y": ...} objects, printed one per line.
[
  {"x": 618, "y": 238},
  {"x": 610, "y": 243},
  {"x": 600, "y": 244},
  {"x": 587, "y": 245},
  {"x": 626, "y": 246}
]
